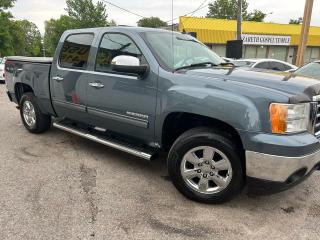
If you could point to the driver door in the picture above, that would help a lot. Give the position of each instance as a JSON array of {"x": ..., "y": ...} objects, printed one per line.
[{"x": 121, "y": 102}]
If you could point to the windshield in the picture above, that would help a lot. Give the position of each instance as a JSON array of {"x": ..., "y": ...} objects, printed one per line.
[
  {"x": 311, "y": 70},
  {"x": 1, "y": 60},
  {"x": 187, "y": 50}
]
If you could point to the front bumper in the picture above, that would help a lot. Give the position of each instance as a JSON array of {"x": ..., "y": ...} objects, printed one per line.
[{"x": 271, "y": 173}]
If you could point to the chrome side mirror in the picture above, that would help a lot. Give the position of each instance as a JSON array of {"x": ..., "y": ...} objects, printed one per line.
[
  {"x": 128, "y": 64},
  {"x": 124, "y": 60}
]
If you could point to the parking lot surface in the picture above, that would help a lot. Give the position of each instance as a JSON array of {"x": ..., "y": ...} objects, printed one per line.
[{"x": 59, "y": 186}]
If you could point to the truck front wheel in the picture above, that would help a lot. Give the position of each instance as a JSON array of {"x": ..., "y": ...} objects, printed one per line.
[
  {"x": 205, "y": 166},
  {"x": 33, "y": 119}
]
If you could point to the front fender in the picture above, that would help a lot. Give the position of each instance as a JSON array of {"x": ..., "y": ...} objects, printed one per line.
[{"x": 233, "y": 109}]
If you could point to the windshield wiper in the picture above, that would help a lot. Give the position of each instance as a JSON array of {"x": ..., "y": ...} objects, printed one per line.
[{"x": 196, "y": 65}]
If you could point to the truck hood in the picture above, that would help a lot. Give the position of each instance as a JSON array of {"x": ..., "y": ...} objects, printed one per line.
[{"x": 297, "y": 88}]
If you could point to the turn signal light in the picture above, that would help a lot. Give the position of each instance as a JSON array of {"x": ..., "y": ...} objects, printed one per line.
[{"x": 278, "y": 117}]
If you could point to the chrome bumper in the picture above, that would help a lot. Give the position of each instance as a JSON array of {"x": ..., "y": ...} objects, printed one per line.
[{"x": 278, "y": 168}]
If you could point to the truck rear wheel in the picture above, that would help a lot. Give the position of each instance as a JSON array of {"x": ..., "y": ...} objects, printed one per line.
[
  {"x": 33, "y": 119},
  {"x": 205, "y": 166}
]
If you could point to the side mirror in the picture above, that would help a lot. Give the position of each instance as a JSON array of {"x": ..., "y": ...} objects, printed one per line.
[{"x": 128, "y": 64}]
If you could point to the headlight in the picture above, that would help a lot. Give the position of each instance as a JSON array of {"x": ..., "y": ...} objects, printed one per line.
[{"x": 289, "y": 118}]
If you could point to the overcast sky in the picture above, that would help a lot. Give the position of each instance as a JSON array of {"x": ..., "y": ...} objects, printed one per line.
[{"x": 280, "y": 11}]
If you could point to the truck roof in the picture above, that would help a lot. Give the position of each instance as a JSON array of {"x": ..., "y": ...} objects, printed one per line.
[{"x": 126, "y": 28}]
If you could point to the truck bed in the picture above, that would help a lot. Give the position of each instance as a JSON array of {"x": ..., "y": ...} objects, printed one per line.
[
  {"x": 43, "y": 60},
  {"x": 34, "y": 72}
]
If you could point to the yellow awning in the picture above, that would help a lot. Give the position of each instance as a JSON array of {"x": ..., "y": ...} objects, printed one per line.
[{"x": 219, "y": 31}]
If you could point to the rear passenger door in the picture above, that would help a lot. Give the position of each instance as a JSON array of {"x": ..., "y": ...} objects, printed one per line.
[
  {"x": 123, "y": 102},
  {"x": 69, "y": 75}
]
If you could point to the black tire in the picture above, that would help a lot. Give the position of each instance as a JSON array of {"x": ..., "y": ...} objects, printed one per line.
[
  {"x": 42, "y": 121},
  {"x": 213, "y": 138}
]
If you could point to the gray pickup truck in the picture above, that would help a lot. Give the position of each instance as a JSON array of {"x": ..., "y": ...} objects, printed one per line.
[{"x": 143, "y": 91}]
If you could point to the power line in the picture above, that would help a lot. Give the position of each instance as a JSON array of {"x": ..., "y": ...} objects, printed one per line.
[
  {"x": 193, "y": 12},
  {"x": 126, "y": 10},
  {"x": 200, "y": 7}
]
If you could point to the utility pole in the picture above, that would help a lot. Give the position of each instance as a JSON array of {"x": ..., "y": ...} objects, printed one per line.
[
  {"x": 239, "y": 20},
  {"x": 304, "y": 32}
]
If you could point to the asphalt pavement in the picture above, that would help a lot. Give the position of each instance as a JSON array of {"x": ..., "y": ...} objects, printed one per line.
[{"x": 59, "y": 186}]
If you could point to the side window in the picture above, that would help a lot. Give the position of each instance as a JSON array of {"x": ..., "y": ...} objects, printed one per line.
[
  {"x": 285, "y": 67},
  {"x": 276, "y": 66},
  {"x": 75, "y": 51},
  {"x": 264, "y": 65},
  {"x": 113, "y": 45}
]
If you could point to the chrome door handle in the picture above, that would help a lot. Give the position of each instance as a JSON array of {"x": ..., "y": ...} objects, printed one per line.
[
  {"x": 58, "y": 79},
  {"x": 96, "y": 85}
]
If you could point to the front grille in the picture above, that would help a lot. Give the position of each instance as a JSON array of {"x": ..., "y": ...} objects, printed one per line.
[{"x": 317, "y": 122}]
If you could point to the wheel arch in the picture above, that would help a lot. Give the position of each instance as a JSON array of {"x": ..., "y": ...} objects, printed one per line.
[
  {"x": 176, "y": 123},
  {"x": 20, "y": 89}
]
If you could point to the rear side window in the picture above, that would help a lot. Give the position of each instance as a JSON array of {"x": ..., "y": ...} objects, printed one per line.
[
  {"x": 277, "y": 66},
  {"x": 75, "y": 51},
  {"x": 113, "y": 45},
  {"x": 263, "y": 65},
  {"x": 284, "y": 67}
]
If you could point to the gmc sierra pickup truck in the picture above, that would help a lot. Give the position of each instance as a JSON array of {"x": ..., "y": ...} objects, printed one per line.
[{"x": 143, "y": 91}]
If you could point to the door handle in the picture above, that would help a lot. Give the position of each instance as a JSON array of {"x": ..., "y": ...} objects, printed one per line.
[
  {"x": 58, "y": 79},
  {"x": 96, "y": 85}
]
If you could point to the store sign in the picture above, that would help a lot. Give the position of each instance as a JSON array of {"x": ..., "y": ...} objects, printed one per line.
[{"x": 251, "y": 39}]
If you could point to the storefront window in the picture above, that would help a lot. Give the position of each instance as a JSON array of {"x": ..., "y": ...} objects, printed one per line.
[
  {"x": 261, "y": 52},
  {"x": 277, "y": 52},
  {"x": 315, "y": 54},
  {"x": 250, "y": 52}
]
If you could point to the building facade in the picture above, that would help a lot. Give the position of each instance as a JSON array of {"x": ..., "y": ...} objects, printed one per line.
[{"x": 261, "y": 40}]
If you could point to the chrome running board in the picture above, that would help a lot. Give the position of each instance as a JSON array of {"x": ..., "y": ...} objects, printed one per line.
[{"x": 106, "y": 142}]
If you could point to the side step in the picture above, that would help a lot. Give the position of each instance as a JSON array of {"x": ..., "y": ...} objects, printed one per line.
[{"x": 105, "y": 141}]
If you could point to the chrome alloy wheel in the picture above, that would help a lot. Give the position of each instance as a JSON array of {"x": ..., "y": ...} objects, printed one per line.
[
  {"x": 29, "y": 114},
  {"x": 206, "y": 170}
]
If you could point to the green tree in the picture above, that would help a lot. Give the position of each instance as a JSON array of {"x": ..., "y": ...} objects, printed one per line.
[
  {"x": 53, "y": 31},
  {"x": 152, "y": 22},
  {"x": 17, "y": 37},
  {"x": 228, "y": 9},
  {"x": 86, "y": 14},
  {"x": 112, "y": 23},
  {"x": 5, "y": 36},
  {"x": 80, "y": 14},
  {"x": 296, "y": 21},
  {"x": 5, "y": 18},
  {"x": 256, "y": 16},
  {"x": 5, "y": 4},
  {"x": 26, "y": 38}
]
